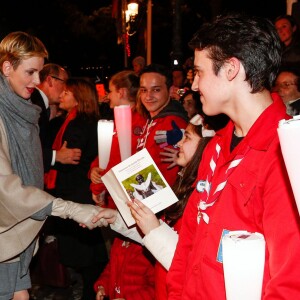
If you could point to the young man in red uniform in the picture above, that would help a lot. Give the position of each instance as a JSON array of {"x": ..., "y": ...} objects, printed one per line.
[
  {"x": 163, "y": 116},
  {"x": 236, "y": 61}
]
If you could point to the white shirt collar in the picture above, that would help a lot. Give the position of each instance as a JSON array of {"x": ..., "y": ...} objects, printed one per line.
[{"x": 45, "y": 98}]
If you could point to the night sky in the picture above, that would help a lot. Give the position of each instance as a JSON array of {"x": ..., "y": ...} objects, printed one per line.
[{"x": 80, "y": 34}]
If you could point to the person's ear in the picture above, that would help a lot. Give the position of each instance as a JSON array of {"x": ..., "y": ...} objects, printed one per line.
[
  {"x": 7, "y": 68},
  {"x": 232, "y": 68},
  {"x": 123, "y": 93},
  {"x": 49, "y": 80}
]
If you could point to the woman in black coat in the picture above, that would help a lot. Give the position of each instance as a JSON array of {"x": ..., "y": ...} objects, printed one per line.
[{"x": 79, "y": 248}]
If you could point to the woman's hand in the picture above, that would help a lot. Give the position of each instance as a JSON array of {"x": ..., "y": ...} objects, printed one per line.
[
  {"x": 170, "y": 155},
  {"x": 107, "y": 214},
  {"x": 101, "y": 293},
  {"x": 144, "y": 217},
  {"x": 95, "y": 175}
]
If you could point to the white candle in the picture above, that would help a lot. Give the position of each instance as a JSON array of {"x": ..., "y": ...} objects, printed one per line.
[
  {"x": 123, "y": 119},
  {"x": 289, "y": 133},
  {"x": 105, "y": 133},
  {"x": 243, "y": 264}
]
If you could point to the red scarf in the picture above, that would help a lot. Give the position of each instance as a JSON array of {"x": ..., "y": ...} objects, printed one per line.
[{"x": 50, "y": 177}]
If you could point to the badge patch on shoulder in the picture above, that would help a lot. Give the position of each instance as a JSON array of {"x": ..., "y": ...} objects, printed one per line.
[
  {"x": 201, "y": 186},
  {"x": 220, "y": 250},
  {"x": 137, "y": 130}
]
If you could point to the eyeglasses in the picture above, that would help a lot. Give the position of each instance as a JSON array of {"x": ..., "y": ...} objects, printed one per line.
[
  {"x": 57, "y": 78},
  {"x": 284, "y": 85}
]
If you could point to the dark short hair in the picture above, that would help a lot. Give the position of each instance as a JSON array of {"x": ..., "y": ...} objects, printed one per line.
[
  {"x": 286, "y": 17},
  {"x": 160, "y": 69},
  {"x": 178, "y": 68},
  {"x": 196, "y": 98},
  {"x": 52, "y": 69},
  {"x": 252, "y": 40},
  {"x": 140, "y": 60},
  {"x": 290, "y": 69}
]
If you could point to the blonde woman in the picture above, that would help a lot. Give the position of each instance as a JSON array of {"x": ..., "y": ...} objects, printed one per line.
[{"x": 23, "y": 205}]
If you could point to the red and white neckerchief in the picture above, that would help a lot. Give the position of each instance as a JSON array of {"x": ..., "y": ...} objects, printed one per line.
[
  {"x": 142, "y": 141},
  {"x": 203, "y": 203}
]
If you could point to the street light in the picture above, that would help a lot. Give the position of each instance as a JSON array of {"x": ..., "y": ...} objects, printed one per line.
[
  {"x": 133, "y": 9},
  {"x": 130, "y": 15},
  {"x": 129, "y": 12},
  {"x": 129, "y": 26}
]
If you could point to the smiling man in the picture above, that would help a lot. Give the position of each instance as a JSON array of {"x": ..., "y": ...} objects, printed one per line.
[
  {"x": 246, "y": 184},
  {"x": 164, "y": 115}
]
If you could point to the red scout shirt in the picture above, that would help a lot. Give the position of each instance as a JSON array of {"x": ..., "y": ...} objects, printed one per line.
[{"x": 256, "y": 198}]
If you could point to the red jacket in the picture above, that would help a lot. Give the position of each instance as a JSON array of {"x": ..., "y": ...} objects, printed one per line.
[
  {"x": 162, "y": 121},
  {"x": 129, "y": 273},
  {"x": 256, "y": 198}
]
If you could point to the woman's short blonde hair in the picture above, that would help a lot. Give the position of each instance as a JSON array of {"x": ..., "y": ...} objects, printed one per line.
[{"x": 18, "y": 46}]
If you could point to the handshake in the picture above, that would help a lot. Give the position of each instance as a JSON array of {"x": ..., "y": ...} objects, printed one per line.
[{"x": 84, "y": 214}]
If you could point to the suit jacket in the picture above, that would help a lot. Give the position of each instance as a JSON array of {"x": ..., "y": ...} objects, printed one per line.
[
  {"x": 296, "y": 107},
  {"x": 37, "y": 99}
]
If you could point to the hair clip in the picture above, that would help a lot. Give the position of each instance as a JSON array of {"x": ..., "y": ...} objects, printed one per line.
[
  {"x": 207, "y": 132},
  {"x": 196, "y": 120}
]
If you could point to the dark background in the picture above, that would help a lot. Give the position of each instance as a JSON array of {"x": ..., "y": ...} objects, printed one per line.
[{"x": 82, "y": 35}]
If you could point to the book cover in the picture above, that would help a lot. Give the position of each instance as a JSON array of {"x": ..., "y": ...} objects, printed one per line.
[{"x": 138, "y": 177}]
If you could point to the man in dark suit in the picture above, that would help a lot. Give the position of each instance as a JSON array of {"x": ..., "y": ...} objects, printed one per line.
[{"x": 47, "y": 95}]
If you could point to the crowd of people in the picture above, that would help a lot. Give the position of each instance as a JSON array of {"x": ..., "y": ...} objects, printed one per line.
[{"x": 211, "y": 129}]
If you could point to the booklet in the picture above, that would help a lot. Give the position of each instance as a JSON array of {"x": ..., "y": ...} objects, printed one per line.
[{"x": 138, "y": 177}]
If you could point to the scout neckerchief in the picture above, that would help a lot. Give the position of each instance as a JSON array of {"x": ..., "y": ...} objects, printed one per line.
[{"x": 204, "y": 203}]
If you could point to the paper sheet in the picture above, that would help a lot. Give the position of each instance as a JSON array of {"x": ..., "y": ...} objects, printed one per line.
[
  {"x": 289, "y": 137},
  {"x": 243, "y": 263},
  {"x": 105, "y": 134}
]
